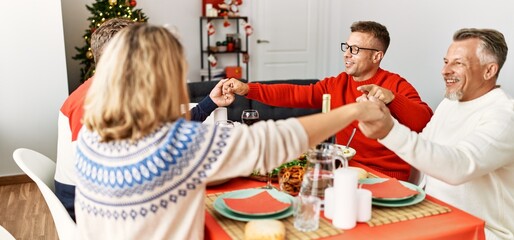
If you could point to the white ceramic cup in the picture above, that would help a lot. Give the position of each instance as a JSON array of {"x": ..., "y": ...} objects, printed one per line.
[{"x": 225, "y": 123}]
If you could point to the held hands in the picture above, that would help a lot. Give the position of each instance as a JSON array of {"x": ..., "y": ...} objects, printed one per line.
[
  {"x": 369, "y": 110},
  {"x": 378, "y": 122},
  {"x": 234, "y": 86},
  {"x": 220, "y": 98},
  {"x": 372, "y": 90}
]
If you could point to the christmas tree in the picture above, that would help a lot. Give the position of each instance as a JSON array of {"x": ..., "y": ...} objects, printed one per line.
[{"x": 101, "y": 11}]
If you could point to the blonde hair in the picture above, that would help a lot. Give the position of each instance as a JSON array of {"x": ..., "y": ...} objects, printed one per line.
[{"x": 140, "y": 84}]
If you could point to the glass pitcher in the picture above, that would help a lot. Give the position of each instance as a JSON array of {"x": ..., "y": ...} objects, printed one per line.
[{"x": 319, "y": 170}]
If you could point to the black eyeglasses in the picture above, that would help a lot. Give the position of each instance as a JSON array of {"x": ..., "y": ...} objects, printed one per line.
[{"x": 354, "y": 50}]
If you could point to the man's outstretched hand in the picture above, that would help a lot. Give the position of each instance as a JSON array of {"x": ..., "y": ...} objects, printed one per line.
[{"x": 219, "y": 97}]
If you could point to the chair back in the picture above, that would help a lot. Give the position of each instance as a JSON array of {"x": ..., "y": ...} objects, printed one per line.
[
  {"x": 417, "y": 178},
  {"x": 41, "y": 170}
]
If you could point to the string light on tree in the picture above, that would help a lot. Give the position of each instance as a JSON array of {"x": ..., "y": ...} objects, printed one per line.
[{"x": 101, "y": 11}]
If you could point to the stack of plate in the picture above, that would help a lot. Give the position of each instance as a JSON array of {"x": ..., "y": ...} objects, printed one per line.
[
  {"x": 223, "y": 209},
  {"x": 396, "y": 202}
]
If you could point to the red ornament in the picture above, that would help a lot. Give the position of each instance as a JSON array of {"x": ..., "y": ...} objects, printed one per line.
[
  {"x": 210, "y": 29},
  {"x": 247, "y": 27},
  {"x": 226, "y": 23},
  {"x": 212, "y": 60},
  {"x": 133, "y": 3}
]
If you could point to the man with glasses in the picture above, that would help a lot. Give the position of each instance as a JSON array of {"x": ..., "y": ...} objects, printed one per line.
[{"x": 363, "y": 52}]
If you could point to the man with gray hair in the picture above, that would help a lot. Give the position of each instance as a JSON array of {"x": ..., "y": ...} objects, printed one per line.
[{"x": 466, "y": 150}]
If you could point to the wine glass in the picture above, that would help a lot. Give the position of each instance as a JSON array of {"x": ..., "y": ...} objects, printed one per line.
[
  {"x": 268, "y": 181},
  {"x": 249, "y": 116}
]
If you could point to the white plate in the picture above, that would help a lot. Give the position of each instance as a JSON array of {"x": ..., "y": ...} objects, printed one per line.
[
  {"x": 220, "y": 206},
  {"x": 396, "y": 202}
]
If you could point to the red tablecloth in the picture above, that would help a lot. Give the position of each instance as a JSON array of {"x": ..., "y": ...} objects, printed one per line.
[{"x": 456, "y": 224}]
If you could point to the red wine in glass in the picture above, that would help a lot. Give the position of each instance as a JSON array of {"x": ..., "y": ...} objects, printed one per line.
[
  {"x": 250, "y": 121},
  {"x": 250, "y": 116}
]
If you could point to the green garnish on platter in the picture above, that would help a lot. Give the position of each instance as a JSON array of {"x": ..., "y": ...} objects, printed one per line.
[{"x": 300, "y": 161}]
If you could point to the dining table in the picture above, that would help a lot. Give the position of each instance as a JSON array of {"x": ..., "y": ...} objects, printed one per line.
[{"x": 447, "y": 222}]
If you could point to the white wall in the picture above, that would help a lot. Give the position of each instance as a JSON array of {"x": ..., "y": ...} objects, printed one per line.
[
  {"x": 183, "y": 16},
  {"x": 33, "y": 80},
  {"x": 74, "y": 14},
  {"x": 421, "y": 32}
]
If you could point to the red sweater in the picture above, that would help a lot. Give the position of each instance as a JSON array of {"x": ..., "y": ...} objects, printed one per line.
[
  {"x": 73, "y": 108},
  {"x": 407, "y": 107}
]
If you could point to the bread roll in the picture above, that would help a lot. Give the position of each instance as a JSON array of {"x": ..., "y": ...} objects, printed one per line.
[{"x": 267, "y": 229}]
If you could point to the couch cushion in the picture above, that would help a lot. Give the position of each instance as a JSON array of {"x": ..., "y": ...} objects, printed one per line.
[{"x": 199, "y": 90}]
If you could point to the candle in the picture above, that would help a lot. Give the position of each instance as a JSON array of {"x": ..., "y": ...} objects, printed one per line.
[
  {"x": 363, "y": 205},
  {"x": 345, "y": 198},
  {"x": 220, "y": 114},
  {"x": 329, "y": 202}
]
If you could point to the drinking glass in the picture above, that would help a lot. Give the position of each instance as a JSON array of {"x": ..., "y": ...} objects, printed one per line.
[
  {"x": 225, "y": 123},
  {"x": 306, "y": 211},
  {"x": 249, "y": 116},
  {"x": 268, "y": 181}
]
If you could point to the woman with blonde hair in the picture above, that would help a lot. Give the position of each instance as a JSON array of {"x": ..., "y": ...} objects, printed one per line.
[{"x": 143, "y": 167}]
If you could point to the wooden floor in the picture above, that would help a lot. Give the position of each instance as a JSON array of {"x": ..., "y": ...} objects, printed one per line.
[{"x": 24, "y": 213}]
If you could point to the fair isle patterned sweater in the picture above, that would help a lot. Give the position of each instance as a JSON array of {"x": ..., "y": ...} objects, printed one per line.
[{"x": 154, "y": 188}]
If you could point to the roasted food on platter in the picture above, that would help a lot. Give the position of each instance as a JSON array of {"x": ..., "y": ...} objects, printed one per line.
[
  {"x": 290, "y": 175},
  {"x": 300, "y": 161}
]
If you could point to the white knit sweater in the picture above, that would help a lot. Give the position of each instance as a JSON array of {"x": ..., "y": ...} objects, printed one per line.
[
  {"x": 155, "y": 187},
  {"x": 467, "y": 151}
]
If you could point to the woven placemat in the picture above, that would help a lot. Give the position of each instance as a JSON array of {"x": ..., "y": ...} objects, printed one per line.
[
  {"x": 235, "y": 229},
  {"x": 379, "y": 216},
  {"x": 386, "y": 215}
]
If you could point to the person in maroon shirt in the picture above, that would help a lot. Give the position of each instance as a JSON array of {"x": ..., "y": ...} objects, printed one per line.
[{"x": 362, "y": 52}]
